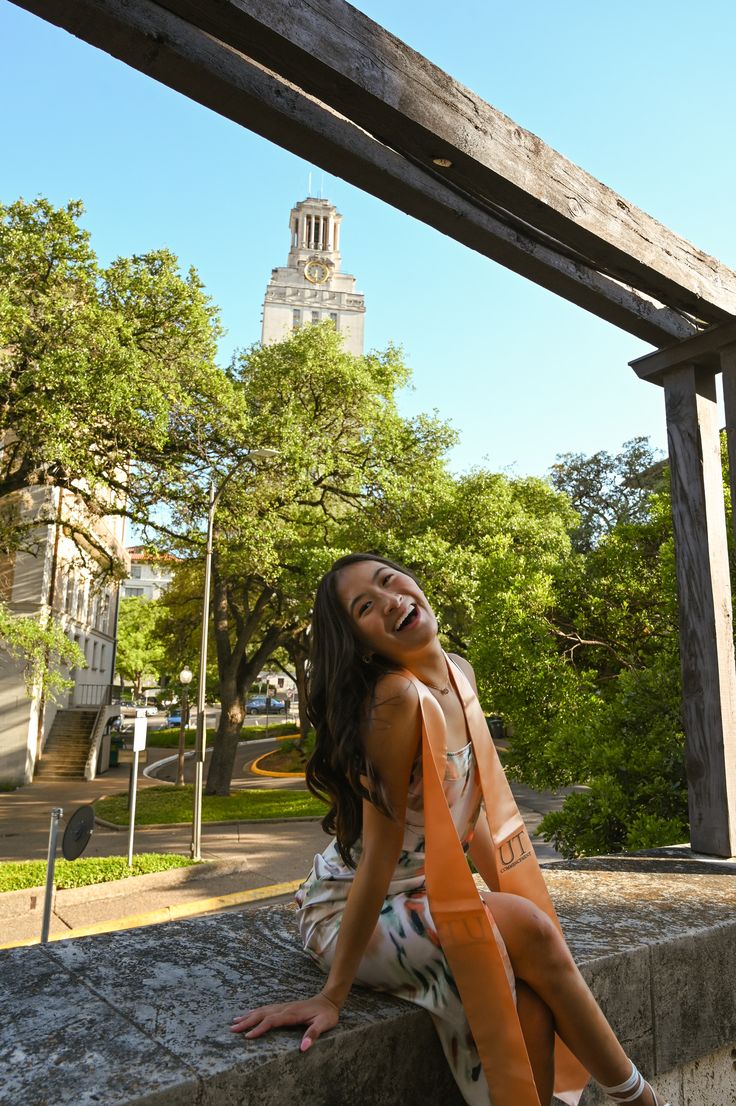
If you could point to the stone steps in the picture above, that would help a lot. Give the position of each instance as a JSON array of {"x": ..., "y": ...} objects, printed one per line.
[{"x": 66, "y": 750}]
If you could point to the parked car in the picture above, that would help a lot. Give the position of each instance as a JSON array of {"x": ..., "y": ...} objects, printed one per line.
[
  {"x": 174, "y": 718},
  {"x": 263, "y": 705}
]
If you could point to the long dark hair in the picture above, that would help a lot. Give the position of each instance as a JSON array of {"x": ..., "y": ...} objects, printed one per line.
[{"x": 341, "y": 690}]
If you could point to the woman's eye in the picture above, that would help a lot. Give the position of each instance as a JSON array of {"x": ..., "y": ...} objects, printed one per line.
[
  {"x": 363, "y": 607},
  {"x": 387, "y": 578}
]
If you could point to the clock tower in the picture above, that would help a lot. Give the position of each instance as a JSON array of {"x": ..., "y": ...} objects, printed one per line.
[{"x": 311, "y": 288}]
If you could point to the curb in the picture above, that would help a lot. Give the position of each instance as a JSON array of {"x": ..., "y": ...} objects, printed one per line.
[
  {"x": 169, "y": 913},
  {"x": 253, "y": 767},
  {"x": 27, "y": 899},
  {"x": 217, "y": 825}
]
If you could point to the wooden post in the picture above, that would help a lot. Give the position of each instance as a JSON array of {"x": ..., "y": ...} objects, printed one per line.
[
  {"x": 728, "y": 370},
  {"x": 706, "y": 634}
]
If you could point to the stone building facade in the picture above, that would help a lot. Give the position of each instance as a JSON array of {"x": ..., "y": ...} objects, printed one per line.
[
  {"x": 60, "y": 580},
  {"x": 311, "y": 288},
  {"x": 149, "y": 576}
]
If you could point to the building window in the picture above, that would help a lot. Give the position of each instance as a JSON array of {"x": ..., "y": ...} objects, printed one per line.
[
  {"x": 95, "y": 649},
  {"x": 102, "y": 610},
  {"x": 333, "y": 317},
  {"x": 129, "y": 593},
  {"x": 69, "y": 597},
  {"x": 315, "y": 316},
  {"x": 135, "y": 572},
  {"x": 296, "y": 319},
  {"x": 102, "y": 658}
]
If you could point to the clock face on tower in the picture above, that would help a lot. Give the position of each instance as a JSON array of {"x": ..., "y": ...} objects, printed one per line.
[{"x": 316, "y": 272}]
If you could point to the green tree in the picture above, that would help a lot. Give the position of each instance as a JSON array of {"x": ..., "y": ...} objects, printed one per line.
[
  {"x": 104, "y": 373},
  {"x": 341, "y": 446},
  {"x": 140, "y": 650},
  {"x": 617, "y": 622},
  {"x": 44, "y": 650},
  {"x": 608, "y": 490}
]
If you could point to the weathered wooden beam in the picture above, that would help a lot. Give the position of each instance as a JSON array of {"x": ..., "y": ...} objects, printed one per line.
[
  {"x": 190, "y": 61},
  {"x": 728, "y": 377},
  {"x": 334, "y": 52},
  {"x": 706, "y": 630},
  {"x": 703, "y": 349}
]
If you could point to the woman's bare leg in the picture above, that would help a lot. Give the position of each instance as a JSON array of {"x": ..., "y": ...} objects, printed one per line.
[
  {"x": 540, "y": 957},
  {"x": 538, "y": 1027}
]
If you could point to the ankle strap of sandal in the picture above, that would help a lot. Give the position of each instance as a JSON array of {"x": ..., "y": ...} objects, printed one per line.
[{"x": 630, "y": 1089}]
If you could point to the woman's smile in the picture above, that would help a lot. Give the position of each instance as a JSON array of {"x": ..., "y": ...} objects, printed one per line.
[{"x": 408, "y": 618}]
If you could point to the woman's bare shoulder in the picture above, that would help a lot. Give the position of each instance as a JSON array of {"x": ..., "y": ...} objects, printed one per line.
[
  {"x": 395, "y": 690},
  {"x": 394, "y": 728},
  {"x": 466, "y": 668}
]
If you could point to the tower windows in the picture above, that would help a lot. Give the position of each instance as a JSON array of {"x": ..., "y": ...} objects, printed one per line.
[
  {"x": 315, "y": 317},
  {"x": 296, "y": 318}
]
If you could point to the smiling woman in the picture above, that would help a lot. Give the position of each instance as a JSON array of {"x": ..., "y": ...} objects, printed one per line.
[{"x": 404, "y": 757}]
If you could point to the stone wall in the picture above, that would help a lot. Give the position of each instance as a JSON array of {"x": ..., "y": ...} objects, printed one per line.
[{"x": 141, "y": 1017}]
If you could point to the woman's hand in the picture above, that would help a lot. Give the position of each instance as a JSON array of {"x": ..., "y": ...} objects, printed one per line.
[{"x": 318, "y": 1013}]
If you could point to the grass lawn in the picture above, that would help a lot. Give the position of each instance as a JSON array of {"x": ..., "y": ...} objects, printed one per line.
[
  {"x": 163, "y": 805},
  {"x": 169, "y": 738},
  {"x": 17, "y": 874}
]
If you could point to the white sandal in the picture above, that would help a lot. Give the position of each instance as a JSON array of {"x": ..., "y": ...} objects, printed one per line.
[{"x": 632, "y": 1088}]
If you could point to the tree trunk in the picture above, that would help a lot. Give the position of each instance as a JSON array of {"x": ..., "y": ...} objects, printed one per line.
[
  {"x": 233, "y": 694},
  {"x": 225, "y": 745},
  {"x": 301, "y": 685}
]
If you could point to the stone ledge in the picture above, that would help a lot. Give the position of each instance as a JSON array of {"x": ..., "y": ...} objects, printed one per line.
[{"x": 141, "y": 1017}]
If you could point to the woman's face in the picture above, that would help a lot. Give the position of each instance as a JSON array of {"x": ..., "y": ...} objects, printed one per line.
[{"x": 388, "y": 609}]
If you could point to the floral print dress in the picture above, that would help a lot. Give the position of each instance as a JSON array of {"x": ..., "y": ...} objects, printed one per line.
[{"x": 404, "y": 955}]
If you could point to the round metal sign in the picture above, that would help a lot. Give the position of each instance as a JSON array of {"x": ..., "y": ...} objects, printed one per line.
[{"x": 78, "y": 832}]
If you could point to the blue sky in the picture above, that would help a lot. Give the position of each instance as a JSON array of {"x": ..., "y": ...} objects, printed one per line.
[{"x": 640, "y": 93}]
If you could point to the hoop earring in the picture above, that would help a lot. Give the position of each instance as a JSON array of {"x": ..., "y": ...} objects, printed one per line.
[{"x": 367, "y": 659}]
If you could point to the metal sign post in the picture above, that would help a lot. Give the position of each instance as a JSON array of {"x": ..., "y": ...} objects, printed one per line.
[
  {"x": 140, "y": 729},
  {"x": 75, "y": 840},
  {"x": 56, "y": 814}
]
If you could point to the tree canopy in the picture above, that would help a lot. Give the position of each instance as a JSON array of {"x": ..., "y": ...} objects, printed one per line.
[
  {"x": 340, "y": 448},
  {"x": 140, "y": 652},
  {"x": 103, "y": 371}
]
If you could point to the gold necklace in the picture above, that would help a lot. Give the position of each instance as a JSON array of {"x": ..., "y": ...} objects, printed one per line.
[{"x": 442, "y": 690}]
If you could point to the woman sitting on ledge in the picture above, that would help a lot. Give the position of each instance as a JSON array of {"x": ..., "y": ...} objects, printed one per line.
[{"x": 404, "y": 755}]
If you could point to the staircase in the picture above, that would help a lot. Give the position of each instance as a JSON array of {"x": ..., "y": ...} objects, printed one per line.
[{"x": 67, "y": 746}]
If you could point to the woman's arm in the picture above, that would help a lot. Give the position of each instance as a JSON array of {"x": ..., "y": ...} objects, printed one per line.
[{"x": 391, "y": 744}]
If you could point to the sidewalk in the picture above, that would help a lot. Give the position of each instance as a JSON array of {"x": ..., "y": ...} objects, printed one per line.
[{"x": 249, "y": 862}]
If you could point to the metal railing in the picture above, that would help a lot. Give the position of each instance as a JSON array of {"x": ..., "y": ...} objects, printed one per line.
[{"x": 92, "y": 695}]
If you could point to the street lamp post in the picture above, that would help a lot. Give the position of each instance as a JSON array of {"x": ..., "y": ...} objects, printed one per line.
[
  {"x": 201, "y": 738},
  {"x": 185, "y": 678}
]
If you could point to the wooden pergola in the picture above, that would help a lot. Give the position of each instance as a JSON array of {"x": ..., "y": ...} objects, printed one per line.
[{"x": 322, "y": 80}]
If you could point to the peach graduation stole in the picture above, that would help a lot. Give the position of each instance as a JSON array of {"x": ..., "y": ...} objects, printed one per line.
[{"x": 465, "y": 925}]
